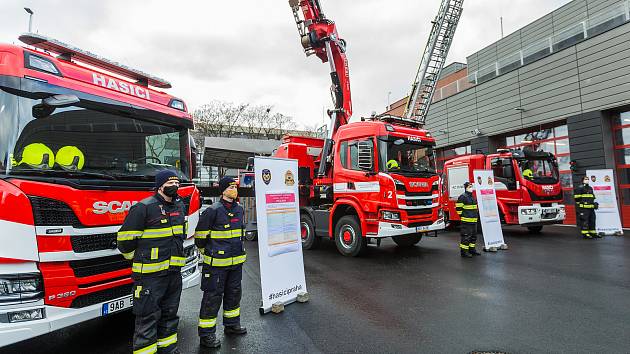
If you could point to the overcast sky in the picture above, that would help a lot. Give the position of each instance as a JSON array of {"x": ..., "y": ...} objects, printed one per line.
[{"x": 248, "y": 51}]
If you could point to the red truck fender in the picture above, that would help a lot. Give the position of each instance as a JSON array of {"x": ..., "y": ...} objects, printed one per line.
[
  {"x": 502, "y": 209},
  {"x": 344, "y": 204}
]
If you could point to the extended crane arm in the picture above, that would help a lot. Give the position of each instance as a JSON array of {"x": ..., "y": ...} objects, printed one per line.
[{"x": 319, "y": 36}]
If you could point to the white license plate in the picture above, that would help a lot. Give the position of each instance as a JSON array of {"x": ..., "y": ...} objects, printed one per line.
[
  {"x": 422, "y": 228},
  {"x": 117, "y": 305}
]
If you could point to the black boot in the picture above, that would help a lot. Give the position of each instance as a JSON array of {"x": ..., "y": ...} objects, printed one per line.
[
  {"x": 238, "y": 330},
  {"x": 466, "y": 254},
  {"x": 596, "y": 235},
  {"x": 473, "y": 251},
  {"x": 210, "y": 341}
]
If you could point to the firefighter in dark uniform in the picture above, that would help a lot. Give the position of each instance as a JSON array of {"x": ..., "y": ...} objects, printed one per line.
[
  {"x": 219, "y": 238},
  {"x": 152, "y": 236},
  {"x": 585, "y": 206},
  {"x": 466, "y": 208}
]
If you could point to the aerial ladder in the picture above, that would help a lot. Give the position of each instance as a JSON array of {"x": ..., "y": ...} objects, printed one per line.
[
  {"x": 319, "y": 36},
  {"x": 433, "y": 60}
]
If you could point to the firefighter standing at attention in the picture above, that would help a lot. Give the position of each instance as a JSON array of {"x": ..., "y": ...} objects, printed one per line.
[
  {"x": 585, "y": 206},
  {"x": 466, "y": 208},
  {"x": 152, "y": 236},
  {"x": 219, "y": 238}
]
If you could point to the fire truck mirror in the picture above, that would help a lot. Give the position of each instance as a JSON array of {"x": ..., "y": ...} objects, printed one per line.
[{"x": 49, "y": 104}]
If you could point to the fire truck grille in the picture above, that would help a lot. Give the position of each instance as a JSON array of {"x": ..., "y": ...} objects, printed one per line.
[
  {"x": 50, "y": 212},
  {"x": 101, "y": 296},
  {"x": 420, "y": 212},
  {"x": 418, "y": 194},
  {"x": 537, "y": 198},
  {"x": 94, "y": 266},
  {"x": 91, "y": 243},
  {"x": 423, "y": 223}
]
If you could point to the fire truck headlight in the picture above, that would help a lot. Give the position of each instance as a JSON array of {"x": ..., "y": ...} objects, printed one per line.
[
  {"x": 27, "y": 285},
  {"x": 391, "y": 215},
  {"x": 436, "y": 182},
  {"x": 17, "y": 288}
]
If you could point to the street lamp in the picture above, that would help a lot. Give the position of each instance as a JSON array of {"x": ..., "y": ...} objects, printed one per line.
[{"x": 30, "y": 18}]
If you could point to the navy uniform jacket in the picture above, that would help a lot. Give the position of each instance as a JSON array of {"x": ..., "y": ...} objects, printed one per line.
[
  {"x": 466, "y": 207},
  {"x": 152, "y": 236},
  {"x": 219, "y": 234}
]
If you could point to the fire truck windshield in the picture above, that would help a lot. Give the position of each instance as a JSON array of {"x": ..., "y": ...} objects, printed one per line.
[
  {"x": 539, "y": 170},
  {"x": 399, "y": 155},
  {"x": 75, "y": 142}
]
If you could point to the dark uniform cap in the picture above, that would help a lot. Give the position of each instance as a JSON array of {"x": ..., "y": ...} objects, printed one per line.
[
  {"x": 466, "y": 184},
  {"x": 165, "y": 176},
  {"x": 225, "y": 182}
]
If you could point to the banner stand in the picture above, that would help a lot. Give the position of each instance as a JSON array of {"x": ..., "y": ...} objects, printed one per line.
[
  {"x": 483, "y": 180},
  {"x": 607, "y": 221},
  {"x": 282, "y": 279},
  {"x": 278, "y": 307}
]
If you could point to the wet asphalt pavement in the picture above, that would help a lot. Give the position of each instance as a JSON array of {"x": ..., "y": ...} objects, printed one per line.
[{"x": 550, "y": 293}]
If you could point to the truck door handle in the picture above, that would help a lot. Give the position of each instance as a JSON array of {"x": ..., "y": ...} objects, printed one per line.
[{"x": 350, "y": 185}]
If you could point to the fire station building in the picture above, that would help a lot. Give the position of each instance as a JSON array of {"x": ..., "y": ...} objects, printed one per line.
[{"x": 560, "y": 84}]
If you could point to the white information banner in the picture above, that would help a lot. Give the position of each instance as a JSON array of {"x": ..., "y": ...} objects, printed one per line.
[
  {"x": 607, "y": 215},
  {"x": 279, "y": 242},
  {"x": 488, "y": 209}
]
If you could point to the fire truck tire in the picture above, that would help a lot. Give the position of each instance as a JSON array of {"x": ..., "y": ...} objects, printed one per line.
[
  {"x": 348, "y": 237},
  {"x": 307, "y": 231},
  {"x": 407, "y": 240},
  {"x": 535, "y": 229}
]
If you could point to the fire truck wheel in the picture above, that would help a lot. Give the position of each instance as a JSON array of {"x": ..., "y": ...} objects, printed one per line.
[
  {"x": 535, "y": 229},
  {"x": 307, "y": 231},
  {"x": 407, "y": 240},
  {"x": 348, "y": 236}
]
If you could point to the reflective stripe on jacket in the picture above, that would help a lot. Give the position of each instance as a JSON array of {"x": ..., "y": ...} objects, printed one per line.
[
  {"x": 219, "y": 235},
  {"x": 584, "y": 197},
  {"x": 467, "y": 207},
  {"x": 153, "y": 235}
]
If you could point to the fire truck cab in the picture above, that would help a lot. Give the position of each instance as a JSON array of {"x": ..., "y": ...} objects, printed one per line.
[
  {"x": 382, "y": 183},
  {"x": 527, "y": 185},
  {"x": 81, "y": 139}
]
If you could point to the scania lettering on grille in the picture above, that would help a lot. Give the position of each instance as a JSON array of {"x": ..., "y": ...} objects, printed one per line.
[
  {"x": 113, "y": 207},
  {"x": 418, "y": 184}
]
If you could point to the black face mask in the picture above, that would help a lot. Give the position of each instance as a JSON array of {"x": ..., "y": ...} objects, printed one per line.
[{"x": 171, "y": 191}]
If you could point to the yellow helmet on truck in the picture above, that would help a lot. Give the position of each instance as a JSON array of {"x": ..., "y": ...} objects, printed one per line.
[
  {"x": 392, "y": 165},
  {"x": 37, "y": 155},
  {"x": 70, "y": 158}
]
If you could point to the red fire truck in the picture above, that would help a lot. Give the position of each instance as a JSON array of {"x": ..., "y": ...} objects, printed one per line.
[
  {"x": 81, "y": 139},
  {"x": 527, "y": 184},
  {"x": 376, "y": 178}
]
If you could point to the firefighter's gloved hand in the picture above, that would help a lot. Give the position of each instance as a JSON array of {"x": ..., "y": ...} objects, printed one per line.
[{"x": 596, "y": 205}]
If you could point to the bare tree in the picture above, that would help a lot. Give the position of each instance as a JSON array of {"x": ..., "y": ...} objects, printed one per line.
[{"x": 226, "y": 119}]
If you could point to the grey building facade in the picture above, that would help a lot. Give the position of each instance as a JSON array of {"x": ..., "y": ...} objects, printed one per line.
[{"x": 561, "y": 84}]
